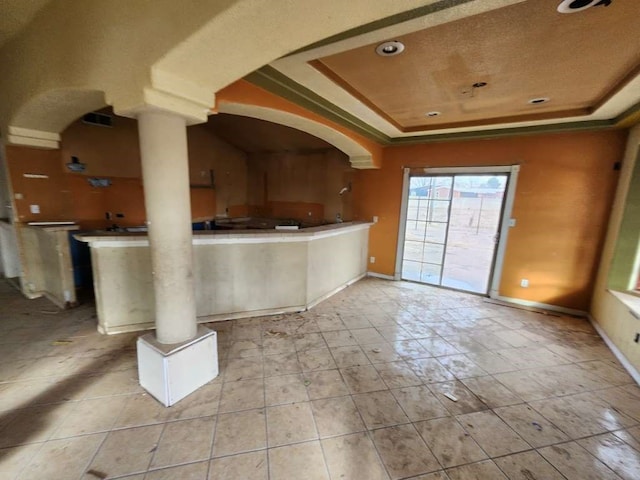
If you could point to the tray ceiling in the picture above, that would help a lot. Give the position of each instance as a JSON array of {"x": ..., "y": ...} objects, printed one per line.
[{"x": 587, "y": 65}]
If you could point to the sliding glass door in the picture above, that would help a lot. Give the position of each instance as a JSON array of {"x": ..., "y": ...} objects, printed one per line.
[{"x": 452, "y": 229}]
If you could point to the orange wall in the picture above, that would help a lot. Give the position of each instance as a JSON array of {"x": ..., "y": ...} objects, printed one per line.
[
  {"x": 304, "y": 186},
  {"x": 50, "y": 194},
  {"x": 66, "y": 196},
  {"x": 113, "y": 153},
  {"x": 563, "y": 198},
  {"x": 109, "y": 152},
  {"x": 208, "y": 152}
]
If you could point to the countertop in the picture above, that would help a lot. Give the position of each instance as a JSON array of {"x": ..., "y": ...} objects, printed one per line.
[{"x": 105, "y": 238}]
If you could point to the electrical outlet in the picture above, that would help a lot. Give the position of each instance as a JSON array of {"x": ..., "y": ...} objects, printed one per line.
[
  {"x": 34, "y": 208},
  {"x": 375, "y": 219},
  {"x": 524, "y": 283},
  {"x": 19, "y": 196},
  {"x": 372, "y": 259}
]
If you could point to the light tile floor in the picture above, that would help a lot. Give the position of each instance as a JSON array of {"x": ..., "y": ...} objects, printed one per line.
[{"x": 382, "y": 381}]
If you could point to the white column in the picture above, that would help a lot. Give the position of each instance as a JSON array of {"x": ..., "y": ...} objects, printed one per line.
[
  {"x": 168, "y": 371},
  {"x": 165, "y": 176}
]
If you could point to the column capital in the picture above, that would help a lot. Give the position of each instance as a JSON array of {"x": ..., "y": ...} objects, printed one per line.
[{"x": 171, "y": 94}]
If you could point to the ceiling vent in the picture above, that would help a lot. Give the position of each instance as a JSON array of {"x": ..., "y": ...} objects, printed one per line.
[
  {"x": 573, "y": 6},
  {"x": 99, "y": 119}
]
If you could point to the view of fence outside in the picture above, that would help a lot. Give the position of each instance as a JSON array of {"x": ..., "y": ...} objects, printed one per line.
[{"x": 468, "y": 226}]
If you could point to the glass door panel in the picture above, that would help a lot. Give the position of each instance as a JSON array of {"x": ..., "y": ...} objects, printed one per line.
[
  {"x": 452, "y": 229},
  {"x": 426, "y": 228}
]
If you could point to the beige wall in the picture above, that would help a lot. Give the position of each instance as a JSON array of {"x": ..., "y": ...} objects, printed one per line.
[
  {"x": 46, "y": 264},
  {"x": 609, "y": 312},
  {"x": 236, "y": 275},
  {"x": 9, "y": 254},
  {"x": 335, "y": 261}
]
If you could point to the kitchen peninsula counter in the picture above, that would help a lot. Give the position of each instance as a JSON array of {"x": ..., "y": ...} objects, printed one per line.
[{"x": 237, "y": 273}]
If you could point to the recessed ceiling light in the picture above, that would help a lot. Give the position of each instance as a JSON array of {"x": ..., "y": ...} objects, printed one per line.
[
  {"x": 389, "y": 49},
  {"x": 433, "y": 114},
  {"x": 573, "y": 6},
  {"x": 538, "y": 100}
]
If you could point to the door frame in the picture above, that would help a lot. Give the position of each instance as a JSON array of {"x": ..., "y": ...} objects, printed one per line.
[{"x": 506, "y": 221}]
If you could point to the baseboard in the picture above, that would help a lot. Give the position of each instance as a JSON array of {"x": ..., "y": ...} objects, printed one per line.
[
  {"x": 618, "y": 354},
  {"x": 315, "y": 302},
  {"x": 221, "y": 317},
  {"x": 380, "y": 275},
  {"x": 543, "y": 306},
  {"x": 136, "y": 327}
]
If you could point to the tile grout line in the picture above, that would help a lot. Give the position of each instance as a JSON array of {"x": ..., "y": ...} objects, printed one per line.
[{"x": 264, "y": 403}]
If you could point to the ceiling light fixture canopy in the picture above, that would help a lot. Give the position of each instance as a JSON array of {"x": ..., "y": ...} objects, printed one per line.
[
  {"x": 389, "y": 49},
  {"x": 573, "y": 6}
]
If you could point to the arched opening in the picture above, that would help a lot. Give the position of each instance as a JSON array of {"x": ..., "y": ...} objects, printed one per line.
[
  {"x": 39, "y": 121},
  {"x": 239, "y": 166},
  {"x": 358, "y": 155}
]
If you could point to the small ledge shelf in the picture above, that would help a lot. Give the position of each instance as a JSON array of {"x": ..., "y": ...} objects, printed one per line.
[{"x": 631, "y": 301}]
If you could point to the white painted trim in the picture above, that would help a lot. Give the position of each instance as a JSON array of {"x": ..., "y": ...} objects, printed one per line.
[
  {"x": 31, "y": 133},
  {"x": 494, "y": 288},
  {"x": 464, "y": 170},
  {"x": 321, "y": 298},
  {"x": 381, "y": 275},
  {"x": 115, "y": 243},
  {"x": 33, "y": 138},
  {"x": 138, "y": 327},
  {"x": 544, "y": 306},
  {"x": 618, "y": 354},
  {"x": 33, "y": 142},
  {"x": 404, "y": 206},
  {"x": 359, "y": 156},
  {"x": 630, "y": 300}
]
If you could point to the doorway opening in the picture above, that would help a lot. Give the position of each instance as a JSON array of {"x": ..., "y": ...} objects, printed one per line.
[{"x": 452, "y": 233}]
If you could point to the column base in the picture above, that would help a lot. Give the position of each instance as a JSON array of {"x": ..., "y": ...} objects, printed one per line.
[{"x": 171, "y": 372}]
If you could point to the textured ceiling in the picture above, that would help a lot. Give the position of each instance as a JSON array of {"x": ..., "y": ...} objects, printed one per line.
[
  {"x": 257, "y": 136},
  {"x": 587, "y": 63},
  {"x": 523, "y": 51},
  {"x": 16, "y": 14}
]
